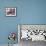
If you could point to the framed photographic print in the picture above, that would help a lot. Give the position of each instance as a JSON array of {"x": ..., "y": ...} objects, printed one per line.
[
  {"x": 33, "y": 32},
  {"x": 10, "y": 11}
]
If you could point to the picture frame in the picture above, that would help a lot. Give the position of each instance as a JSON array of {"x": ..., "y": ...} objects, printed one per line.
[
  {"x": 10, "y": 11},
  {"x": 36, "y": 32}
]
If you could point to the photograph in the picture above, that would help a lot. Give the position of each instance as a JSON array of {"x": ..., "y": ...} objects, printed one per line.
[
  {"x": 33, "y": 32},
  {"x": 29, "y": 34},
  {"x": 10, "y": 11}
]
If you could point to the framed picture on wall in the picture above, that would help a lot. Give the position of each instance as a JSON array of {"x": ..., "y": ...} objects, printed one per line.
[{"x": 10, "y": 11}]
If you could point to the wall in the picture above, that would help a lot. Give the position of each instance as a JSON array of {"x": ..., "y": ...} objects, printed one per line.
[
  {"x": 28, "y": 12},
  {"x": 8, "y": 24},
  {"x": 33, "y": 12}
]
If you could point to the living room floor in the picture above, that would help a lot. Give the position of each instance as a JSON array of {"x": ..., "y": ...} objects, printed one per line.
[{"x": 34, "y": 43}]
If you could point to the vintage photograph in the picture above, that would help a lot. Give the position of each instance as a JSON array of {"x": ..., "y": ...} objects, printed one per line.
[{"x": 10, "y": 11}]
